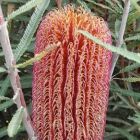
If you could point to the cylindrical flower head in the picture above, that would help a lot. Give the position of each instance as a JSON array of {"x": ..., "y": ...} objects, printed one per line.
[{"x": 71, "y": 84}]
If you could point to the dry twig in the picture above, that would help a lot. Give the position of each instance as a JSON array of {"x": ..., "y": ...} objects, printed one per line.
[{"x": 121, "y": 34}]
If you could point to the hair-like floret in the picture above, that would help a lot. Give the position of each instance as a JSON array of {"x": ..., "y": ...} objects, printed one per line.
[{"x": 71, "y": 84}]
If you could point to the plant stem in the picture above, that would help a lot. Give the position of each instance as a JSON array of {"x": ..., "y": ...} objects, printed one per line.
[
  {"x": 13, "y": 74},
  {"x": 59, "y": 3},
  {"x": 121, "y": 34}
]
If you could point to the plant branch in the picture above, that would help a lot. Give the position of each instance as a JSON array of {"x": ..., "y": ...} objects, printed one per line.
[
  {"x": 59, "y": 3},
  {"x": 121, "y": 34},
  {"x": 13, "y": 74}
]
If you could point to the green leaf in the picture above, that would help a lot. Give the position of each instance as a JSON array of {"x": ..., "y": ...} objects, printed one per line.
[
  {"x": 117, "y": 120},
  {"x": 131, "y": 79},
  {"x": 31, "y": 29},
  {"x": 1, "y": 53},
  {"x": 4, "y": 86},
  {"x": 134, "y": 2},
  {"x": 125, "y": 92},
  {"x": 131, "y": 38},
  {"x": 121, "y": 51},
  {"x": 6, "y": 104},
  {"x": 26, "y": 7},
  {"x": 126, "y": 104},
  {"x": 116, "y": 6},
  {"x": 133, "y": 16},
  {"x": 2, "y": 69},
  {"x": 102, "y": 6},
  {"x": 15, "y": 1},
  {"x": 118, "y": 3},
  {"x": 117, "y": 27},
  {"x": 15, "y": 122},
  {"x": 27, "y": 37},
  {"x": 136, "y": 118},
  {"x": 26, "y": 81},
  {"x": 130, "y": 68},
  {"x": 84, "y": 5},
  {"x": 3, "y": 132},
  {"x": 123, "y": 132},
  {"x": 38, "y": 56},
  {"x": 4, "y": 98}
]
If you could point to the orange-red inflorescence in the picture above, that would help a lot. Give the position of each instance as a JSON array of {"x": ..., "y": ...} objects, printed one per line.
[{"x": 71, "y": 84}]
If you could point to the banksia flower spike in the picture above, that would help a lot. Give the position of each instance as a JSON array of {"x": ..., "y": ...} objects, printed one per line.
[{"x": 71, "y": 84}]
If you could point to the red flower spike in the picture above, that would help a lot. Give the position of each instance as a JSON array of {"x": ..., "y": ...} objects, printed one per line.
[{"x": 71, "y": 84}]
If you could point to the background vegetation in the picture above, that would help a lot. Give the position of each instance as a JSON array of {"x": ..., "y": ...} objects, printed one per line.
[{"x": 123, "y": 117}]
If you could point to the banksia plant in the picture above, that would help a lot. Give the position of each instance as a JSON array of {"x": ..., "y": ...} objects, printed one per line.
[{"x": 71, "y": 84}]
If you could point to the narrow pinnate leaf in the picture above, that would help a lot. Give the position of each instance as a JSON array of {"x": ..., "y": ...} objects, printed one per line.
[
  {"x": 125, "y": 92},
  {"x": 2, "y": 69},
  {"x": 15, "y": 123},
  {"x": 123, "y": 132},
  {"x": 121, "y": 51},
  {"x": 102, "y": 6},
  {"x": 4, "y": 86},
  {"x": 131, "y": 79},
  {"x": 135, "y": 37},
  {"x": 4, "y": 98},
  {"x": 29, "y": 5},
  {"x": 39, "y": 56},
  {"x": 6, "y": 104},
  {"x": 3, "y": 132},
  {"x": 31, "y": 28},
  {"x": 71, "y": 84},
  {"x": 134, "y": 2},
  {"x": 130, "y": 67},
  {"x": 136, "y": 118}
]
